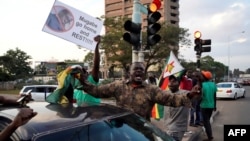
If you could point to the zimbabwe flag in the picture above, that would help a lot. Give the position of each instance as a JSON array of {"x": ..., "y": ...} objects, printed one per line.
[{"x": 173, "y": 66}]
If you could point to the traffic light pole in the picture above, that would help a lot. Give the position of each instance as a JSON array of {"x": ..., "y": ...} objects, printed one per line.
[
  {"x": 198, "y": 62},
  {"x": 137, "y": 55}
]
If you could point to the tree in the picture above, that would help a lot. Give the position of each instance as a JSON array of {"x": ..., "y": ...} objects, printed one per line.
[
  {"x": 218, "y": 69},
  {"x": 15, "y": 63},
  {"x": 172, "y": 37},
  {"x": 89, "y": 59},
  {"x": 248, "y": 71}
]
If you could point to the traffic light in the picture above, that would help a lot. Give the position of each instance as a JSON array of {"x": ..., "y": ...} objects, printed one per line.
[
  {"x": 201, "y": 45},
  {"x": 197, "y": 42},
  {"x": 153, "y": 27},
  {"x": 132, "y": 35},
  {"x": 206, "y": 45}
]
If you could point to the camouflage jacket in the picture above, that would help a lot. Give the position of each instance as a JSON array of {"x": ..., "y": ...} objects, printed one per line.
[{"x": 139, "y": 99}]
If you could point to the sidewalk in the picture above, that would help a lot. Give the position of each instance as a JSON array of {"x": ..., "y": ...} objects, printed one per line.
[{"x": 193, "y": 132}]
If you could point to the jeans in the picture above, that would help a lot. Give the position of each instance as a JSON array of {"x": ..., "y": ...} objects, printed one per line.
[{"x": 195, "y": 113}]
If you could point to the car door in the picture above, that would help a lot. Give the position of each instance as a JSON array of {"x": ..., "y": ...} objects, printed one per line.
[
  {"x": 40, "y": 93},
  {"x": 238, "y": 90},
  {"x": 241, "y": 89}
]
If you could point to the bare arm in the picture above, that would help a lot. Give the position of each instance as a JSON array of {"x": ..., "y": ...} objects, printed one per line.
[
  {"x": 23, "y": 116},
  {"x": 181, "y": 98},
  {"x": 96, "y": 67},
  {"x": 8, "y": 101}
]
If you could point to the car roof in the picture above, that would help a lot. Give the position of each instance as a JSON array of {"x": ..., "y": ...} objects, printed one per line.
[
  {"x": 40, "y": 86},
  {"x": 226, "y": 82},
  {"x": 52, "y": 117}
]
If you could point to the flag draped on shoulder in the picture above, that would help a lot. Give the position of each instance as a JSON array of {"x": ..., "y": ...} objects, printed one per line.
[
  {"x": 66, "y": 82},
  {"x": 172, "y": 67}
]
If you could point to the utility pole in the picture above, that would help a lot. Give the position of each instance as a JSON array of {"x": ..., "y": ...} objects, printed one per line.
[{"x": 137, "y": 55}]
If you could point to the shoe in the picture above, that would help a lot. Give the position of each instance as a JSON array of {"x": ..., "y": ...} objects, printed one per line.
[
  {"x": 193, "y": 125},
  {"x": 199, "y": 124}
]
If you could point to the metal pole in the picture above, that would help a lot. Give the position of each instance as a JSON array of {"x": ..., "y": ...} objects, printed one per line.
[
  {"x": 136, "y": 18},
  {"x": 229, "y": 53},
  {"x": 198, "y": 62},
  {"x": 228, "y": 71}
]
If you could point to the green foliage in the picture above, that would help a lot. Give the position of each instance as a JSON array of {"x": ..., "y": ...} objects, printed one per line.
[
  {"x": 116, "y": 49},
  {"x": 89, "y": 59},
  {"x": 15, "y": 65},
  {"x": 218, "y": 69}
]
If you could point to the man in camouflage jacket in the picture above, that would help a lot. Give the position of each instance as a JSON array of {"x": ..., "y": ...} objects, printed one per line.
[{"x": 136, "y": 95}]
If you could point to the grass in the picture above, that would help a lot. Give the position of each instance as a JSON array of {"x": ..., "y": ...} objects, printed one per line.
[{"x": 14, "y": 92}]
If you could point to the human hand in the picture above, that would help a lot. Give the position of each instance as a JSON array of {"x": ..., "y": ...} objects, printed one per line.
[
  {"x": 82, "y": 75},
  {"x": 27, "y": 97},
  {"x": 97, "y": 38},
  {"x": 196, "y": 91},
  {"x": 23, "y": 116}
]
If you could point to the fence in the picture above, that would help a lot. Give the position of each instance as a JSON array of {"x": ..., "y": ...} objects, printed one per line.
[{"x": 7, "y": 85}]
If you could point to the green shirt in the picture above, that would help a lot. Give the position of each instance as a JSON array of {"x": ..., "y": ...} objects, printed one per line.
[{"x": 208, "y": 95}]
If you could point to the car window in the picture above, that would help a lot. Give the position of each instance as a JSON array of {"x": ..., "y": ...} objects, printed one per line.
[
  {"x": 118, "y": 129},
  {"x": 28, "y": 88},
  {"x": 41, "y": 89},
  {"x": 51, "y": 89},
  {"x": 236, "y": 86},
  {"x": 224, "y": 85}
]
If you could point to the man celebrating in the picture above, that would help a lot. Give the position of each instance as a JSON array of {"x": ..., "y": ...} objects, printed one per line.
[{"x": 136, "y": 95}]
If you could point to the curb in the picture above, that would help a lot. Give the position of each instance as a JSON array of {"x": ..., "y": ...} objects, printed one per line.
[{"x": 194, "y": 136}]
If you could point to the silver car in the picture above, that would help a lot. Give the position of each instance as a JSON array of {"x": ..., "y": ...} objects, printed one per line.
[{"x": 38, "y": 92}]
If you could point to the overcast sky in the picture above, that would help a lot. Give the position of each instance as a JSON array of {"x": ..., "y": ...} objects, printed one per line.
[{"x": 226, "y": 22}]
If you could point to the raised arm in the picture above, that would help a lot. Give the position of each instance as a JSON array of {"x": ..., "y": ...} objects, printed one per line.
[{"x": 96, "y": 67}]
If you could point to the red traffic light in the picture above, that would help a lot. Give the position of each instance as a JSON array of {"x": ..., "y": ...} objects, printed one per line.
[{"x": 155, "y": 5}]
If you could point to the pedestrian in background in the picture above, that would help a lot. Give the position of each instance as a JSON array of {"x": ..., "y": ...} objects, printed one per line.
[
  {"x": 152, "y": 79},
  {"x": 195, "y": 112},
  {"x": 176, "y": 118},
  {"x": 208, "y": 101}
]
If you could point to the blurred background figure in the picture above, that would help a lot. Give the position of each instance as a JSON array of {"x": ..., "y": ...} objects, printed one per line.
[{"x": 152, "y": 79}]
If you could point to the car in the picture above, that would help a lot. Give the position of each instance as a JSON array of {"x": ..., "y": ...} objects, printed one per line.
[
  {"x": 232, "y": 90},
  {"x": 38, "y": 92},
  {"x": 85, "y": 122}
]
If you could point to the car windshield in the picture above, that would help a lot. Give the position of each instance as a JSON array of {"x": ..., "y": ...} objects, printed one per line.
[
  {"x": 126, "y": 128},
  {"x": 224, "y": 85}
]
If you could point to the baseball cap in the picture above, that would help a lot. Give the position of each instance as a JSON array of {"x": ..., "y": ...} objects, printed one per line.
[{"x": 207, "y": 74}]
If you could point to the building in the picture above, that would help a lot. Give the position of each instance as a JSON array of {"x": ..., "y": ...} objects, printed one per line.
[{"x": 169, "y": 10}]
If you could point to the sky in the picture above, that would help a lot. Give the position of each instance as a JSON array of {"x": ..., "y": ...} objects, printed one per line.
[{"x": 226, "y": 22}]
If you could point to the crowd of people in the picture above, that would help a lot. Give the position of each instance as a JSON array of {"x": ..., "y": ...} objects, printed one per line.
[
  {"x": 193, "y": 95},
  {"x": 177, "y": 119}
]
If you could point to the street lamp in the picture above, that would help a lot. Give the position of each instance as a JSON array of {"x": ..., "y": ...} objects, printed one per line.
[{"x": 228, "y": 71}]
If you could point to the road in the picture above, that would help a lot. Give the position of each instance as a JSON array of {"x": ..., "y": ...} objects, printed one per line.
[{"x": 230, "y": 112}]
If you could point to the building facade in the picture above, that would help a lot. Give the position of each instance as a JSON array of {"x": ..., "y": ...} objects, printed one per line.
[{"x": 169, "y": 10}]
